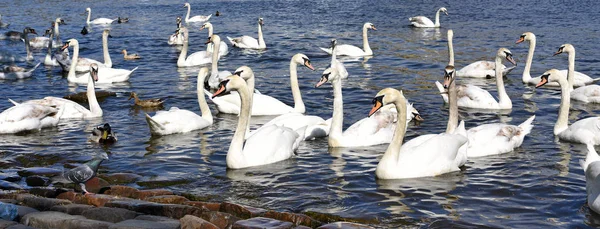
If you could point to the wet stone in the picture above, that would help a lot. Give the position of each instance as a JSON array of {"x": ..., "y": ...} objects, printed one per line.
[
  {"x": 113, "y": 215},
  {"x": 9, "y": 201},
  {"x": 121, "y": 178},
  {"x": 143, "y": 194},
  {"x": 175, "y": 211},
  {"x": 41, "y": 203},
  {"x": 219, "y": 219},
  {"x": 193, "y": 222},
  {"x": 10, "y": 177},
  {"x": 46, "y": 191},
  {"x": 5, "y": 185},
  {"x": 40, "y": 171},
  {"x": 20, "y": 226},
  {"x": 297, "y": 219},
  {"x": 48, "y": 219},
  {"x": 89, "y": 223},
  {"x": 167, "y": 199},
  {"x": 71, "y": 209},
  {"x": 208, "y": 205},
  {"x": 36, "y": 181},
  {"x": 6, "y": 223},
  {"x": 162, "y": 183},
  {"x": 98, "y": 200},
  {"x": 124, "y": 191},
  {"x": 262, "y": 222},
  {"x": 241, "y": 211},
  {"x": 345, "y": 225},
  {"x": 24, "y": 210},
  {"x": 95, "y": 184},
  {"x": 67, "y": 196},
  {"x": 134, "y": 223}
]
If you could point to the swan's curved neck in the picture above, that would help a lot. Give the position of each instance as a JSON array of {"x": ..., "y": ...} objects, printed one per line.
[
  {"x": 107, "y": 60},
  {"x": 526, "y": 72},
  {"x": 571, "y": 71},
  {"x": 237, "y": 142},
  {"x": 450, "y": 51},
  {"x": 210, "y": 31},
  {"x": 261, "y": 40},
  {"x": 366, "y": 46},
  {"x": 214, "y": 75},
  {"x": 91, "y": 95},
  {"x": 74, "y": 61},
  {"x": 27, "y": 46},
  {"x": 187, "y": 16},
  {"x": 437, "y": 18},
  {"x": 89, "y": 16},
  {"x": 337, "y": 122},
  {"x": 184, "y": 50},
  {"x": 453, "y": 109},
  {"x": 56, "y": 33},
  {"x": 204, "y": 108},
  {"x": 562, "y": 123},
  {"x": 298, "y": 103},
  {"x": 49, "y": 52},
  {"x": 503, "y": 99},
  {"x": 393, "y": 151}
]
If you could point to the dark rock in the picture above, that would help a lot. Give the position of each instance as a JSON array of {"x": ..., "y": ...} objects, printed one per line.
[
  {"x": 95, "y": 184},
  {"x": 219, "y": 219},
  {"x": 81, "y": 97},
  {"x": 40, "y": 171},
  {"x": 5, "y": 185},
  {"x": 193, "y": 222},
  {"x": 9, "y": 201},
  {"x": 36, "y": 181},
  {"x": 71, "y": 209},
  {"x": 241, "y": 211},
  {"x": 345, "y": 225},
  {"x": 6, "y": 223},
  {"x": 20, "y": 226},
  {"x": 162, "y": 183},
  {"x": 124, "y": 191},
  {"x": 24, "y": 210},
  {"x": 89, "y": 223},
  {"x": 208, "y": 205},
  {"x": 10, "y": 177},
  {"x": 154, "y": 218},
  {"x": 143, "y": 194},
  {"x": 302, "y": 227},
  {"x": 167, "y": 199},
  {"x": 262, "y": 222},
  {"x": 175, "y": 211},
  {"x": 114, "y": 215},
  {"x": 48, "y": 219},
  {"x": 5, "y": 164},
  {"x": 120, "y": 178},
  {"x": 297, "y": 219},
  {"x": 46, "y": 191},
  {"x": 98, "y": 200},
  {"x": 134, "y": 223},
  {"x": 67, "y": 196},
  {"x": 330, "y": 218},
  {"x": 41, "y": 203}
]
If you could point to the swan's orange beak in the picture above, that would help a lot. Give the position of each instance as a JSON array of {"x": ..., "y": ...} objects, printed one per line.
[
  {"x": 373, "y": 27},
  {"x": 521, "y": 39},
  {"x": 376, "y": 107},
  {"x": 208, "y": 41},
  {"x": 308, "y": 65},
  {"x": 511, "y": 60},
  {"x": 65, "y": 46},
  {"x": 558, "y": 52},
  {"x": 323, "y": 80},
  {"x": 543, "y": 81},
  {"x": 419, "y": 118},
  {"x": 221, "y": 89}
]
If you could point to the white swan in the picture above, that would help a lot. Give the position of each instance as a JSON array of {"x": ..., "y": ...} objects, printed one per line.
[
  {"x": 97, "y": 21},
  {"x": 471, "y": 96},
  {"x": 271, "y": 144},
  {"x": 351, "y": 50},
  {"x": 248, "y": 42},
  {"x": 587, "y": 93},
  {"x": 56, "y": 30},
  {"x": 197, "y": 18},
  {"x": 177, "y": 37},
  {"x": 579, "y": 80},
  {"x": 584, "y": 131},
  {"x": 15, "y": 72},
  {"x": 28, "y": 117},
  {"x": 435, "y": 156},
  {"x": 105, "y": 75},
  {"x": 194, "y": 59},
  {"x": 216, "y": 75},
  {"x": 42, "y": 42},
  {"x": 83, "y": 64},
  {"x": 591, "y": 168},
  {"x": 424, "y": 22},
  {"x": 50, "y": 59},
  {"x": 178, "y": 120},
  {"x": 71, "y": 109},
  {"x": 264, "y": 104},
  {"x": 482, "y": 69},
  {"x": 339, "y": 66},
  {"x": 223, "y": 49}
]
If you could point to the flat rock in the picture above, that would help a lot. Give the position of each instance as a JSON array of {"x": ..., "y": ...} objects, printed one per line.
[
  {"x": 98, "y": 200},
  {"x": 262, "y": 222},
  {"x": 6, "y": 223},
  {"x": 162, "y": 183},
  {"x": 213, "y": 206},
  {"x": 89, "y": 223},
  {"x": 134, "y": 223},
  {"x": 124, "y": 191},
  {"x": 71, "y": 209},
  {"x": 36, "y": 181},
  {"x": 48, "y": 192},
  {"x": 154, "y": 218},
  {"x": 41, "y": 203},
  {"x": 95, "y": 184},
  {"x": 345, "y": 225},
  {"x": 143, "y": 194},
  {"x": 219, "y": 219},
  {"x": 297, "y": 219},
  {"x": 113, "y": 215},
  {"x": 193, "y": 222},
  {"x": 48, "y": 219},
  {"x": 120, "y": 178},
  {"x": 241, "y": 211},
  {"x": 9, "y": 201},
  {"x": 23, "y": 211},
  {"x": 5, "y": 185},
  {"x": 167, "y": 199},
  {"x": 10, "y": 177},
  {"x": 20, "y": 226},
  {"x": 40, "y": 171}
]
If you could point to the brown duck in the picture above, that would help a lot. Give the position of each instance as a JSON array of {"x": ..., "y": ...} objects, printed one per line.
[
  {"x": 146, "y": 102},
  {"x": 130, "y": 56}
]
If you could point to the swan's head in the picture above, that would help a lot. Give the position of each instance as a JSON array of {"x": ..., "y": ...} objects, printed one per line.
[
  {"x": 552, "y": 75},
  {"x": 303, "y": 60},
  {"x": 261, "y": 22},
  {"x": 214, "y": 39},
  {"x": 206, "y": 25},
  {"x": 384, "y": 97},
  {"x": 187, "y": 4},
  {"x": 60, "y": 21},
  {"x": 370, "y": 25},
  {"x": 94, "y": 72},
  {"x": 527, "y": 36},
  {"x": 27, "y": 30},
  {"x": 506, "y": 54},
  {"x": 443, "y": 9},
  {"x": 70, "y": 42},
  {"x": 88, "y": 9},
  {"x": 178, "y": 19},
  {"x": 231, "y": 83},
  {"x": 245, "y": 72},
  {"x": 568, "y": 48},
  {"x": 325, "y": 77},
  {"x": 449, "y": 74},
  {"x": 106, "y": 33}
]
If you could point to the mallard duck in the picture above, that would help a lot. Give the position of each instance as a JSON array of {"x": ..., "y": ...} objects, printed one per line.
[
  {"x": 146, "y": 102},
  {"x": 103, "y": 134},
  {"x": 130, "y": 56},
  {"x": 122, "y": 20}
]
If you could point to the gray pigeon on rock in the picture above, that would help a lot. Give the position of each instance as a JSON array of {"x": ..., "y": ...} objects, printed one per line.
[{"x": 83, "y": 173}]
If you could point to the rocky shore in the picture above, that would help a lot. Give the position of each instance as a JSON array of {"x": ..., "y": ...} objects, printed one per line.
[{"x": 120, "y": 206}]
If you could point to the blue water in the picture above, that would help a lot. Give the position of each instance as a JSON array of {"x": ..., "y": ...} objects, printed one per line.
[{"x": 539, "y": 185}]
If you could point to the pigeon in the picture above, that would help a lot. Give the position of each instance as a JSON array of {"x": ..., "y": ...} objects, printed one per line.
[
  {"x": 83, "y": 173},
  {"x": 103, "y": 134}
]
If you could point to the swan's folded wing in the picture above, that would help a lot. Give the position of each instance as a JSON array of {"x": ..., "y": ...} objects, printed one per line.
[
  {"x": 270, "y": 144},
  {"x": 473, "y": 94},
  {"x": 437, "y": 151},
  {"x": 26, "y": 111}
]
